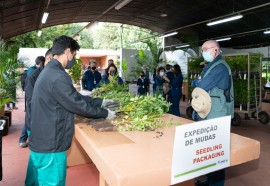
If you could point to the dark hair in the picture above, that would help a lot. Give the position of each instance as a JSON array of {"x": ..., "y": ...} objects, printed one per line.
[
  {"x": 107, "y": 69},
  {"x": 110, "y": 60},
  {"x": 142, "y": 72},
  {"x": 49, "y": 52},
  {"x": 168, "y": 67},
  {"x": 177, "y": 69},
  {"x": 62, "y": 43},
  {"x": 160, "y": 68},
  {"x": 40, "y": 60}
]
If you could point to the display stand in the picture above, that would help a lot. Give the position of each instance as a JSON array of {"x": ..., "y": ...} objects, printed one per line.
[{"x": 144, "y": 158}]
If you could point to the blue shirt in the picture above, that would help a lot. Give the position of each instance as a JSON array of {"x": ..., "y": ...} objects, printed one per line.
[
  {"x": 218, "y": 77},
  {"x": 31, "y": 69},
  {"x": 176, "y": 85}
]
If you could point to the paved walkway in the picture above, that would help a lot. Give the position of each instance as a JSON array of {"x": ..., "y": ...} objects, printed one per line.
[{"x": 15, "y": 159}]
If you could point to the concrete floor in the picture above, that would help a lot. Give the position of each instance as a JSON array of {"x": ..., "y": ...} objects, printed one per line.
[{"x": 15, "y": 159}]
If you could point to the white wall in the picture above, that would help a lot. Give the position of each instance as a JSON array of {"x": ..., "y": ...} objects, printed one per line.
[
  {"x": 29, "y": 55},
  {"x": 129, "y": 56},
  {"x": 179, "y": 57}
]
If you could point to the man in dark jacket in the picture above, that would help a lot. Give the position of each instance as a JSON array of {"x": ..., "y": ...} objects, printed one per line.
[
  {"x": 38, "y": 62},
  {"x": 53, "y": 105},
  {"x": 30, "y": 83},
  {"x": 23, "y": 78},
  {"x": 29, "y": 86},
  {"x": 142, "y": 84},
  {"x": 91, "y": 77}
]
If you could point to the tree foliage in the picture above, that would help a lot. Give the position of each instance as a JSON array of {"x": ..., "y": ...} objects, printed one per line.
[
  {"x": 151, "y": 60},
  {"x": 102, "y": 36},
  {"x": 8, "y": 63}
]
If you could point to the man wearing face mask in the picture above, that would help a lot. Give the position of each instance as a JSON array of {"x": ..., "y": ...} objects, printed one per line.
[
  {"x": 216, "y": 79},
  {"x": 91, "y": 77},
  {"x": 53, "y": 105},
  {"x": 142, "y": 84}
]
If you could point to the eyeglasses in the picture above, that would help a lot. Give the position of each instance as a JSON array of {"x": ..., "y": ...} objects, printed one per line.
[{"x": 206, "y": 49}]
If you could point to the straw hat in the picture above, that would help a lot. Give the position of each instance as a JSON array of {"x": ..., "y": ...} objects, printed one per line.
[{"x": 201, "y": 102}]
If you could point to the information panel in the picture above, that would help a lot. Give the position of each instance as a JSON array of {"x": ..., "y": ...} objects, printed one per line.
[{"x": 200, "y": 148}]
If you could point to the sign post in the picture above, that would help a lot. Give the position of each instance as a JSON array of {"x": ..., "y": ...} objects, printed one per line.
[{"x": 200, "y": 148}]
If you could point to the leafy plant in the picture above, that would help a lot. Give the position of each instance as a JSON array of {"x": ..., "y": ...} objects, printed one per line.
[
  {"x": 135, "y": 113},
  {"x": 8, "y": 62},
  {"x": 124, "y": 65},
  {"x": 151, "y": 61},
  {"x": 76, "y": 70}
]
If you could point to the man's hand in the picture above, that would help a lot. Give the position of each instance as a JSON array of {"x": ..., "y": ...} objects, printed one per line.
[
  {"x": 110, "y": 104},
  {"x": 111, "y": 114}
]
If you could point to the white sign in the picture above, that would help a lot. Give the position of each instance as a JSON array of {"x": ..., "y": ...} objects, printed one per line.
[{"x": 200, "y": 148}]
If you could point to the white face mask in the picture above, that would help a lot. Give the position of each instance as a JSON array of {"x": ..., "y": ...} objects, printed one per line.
[
  {"x": 161, "y": 73},
  {"x": 207, "y": 56}
]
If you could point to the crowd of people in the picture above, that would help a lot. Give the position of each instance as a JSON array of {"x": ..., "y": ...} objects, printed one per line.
[
  {"x": 167, "y": 81},
  {"x": 51, "y": 102}
]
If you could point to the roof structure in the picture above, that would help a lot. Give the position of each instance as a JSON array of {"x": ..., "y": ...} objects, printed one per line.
[{"x": 163, "y": 16}]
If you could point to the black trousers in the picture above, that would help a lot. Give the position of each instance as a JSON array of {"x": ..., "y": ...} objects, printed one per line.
[{"x": 216, "y": 178}]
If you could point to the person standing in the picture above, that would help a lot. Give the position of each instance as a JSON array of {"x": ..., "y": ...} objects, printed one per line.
[
  {"x": 154, "y": 81},
  {"x": 216, "y": 79},
  {"x": 30, "y": 83},
  {"x": 104, "y": 73},
  {"x": 147, "y": 76},
  {"x": 53, "y": 105},
  {"x": 111, "y": 73},
  {"x": 159, "y": 81},
  {"x": 23, "y": 78},
  {"x": 176, "y": 90},
  {"x": 40, "y": 60},
  {"x": 170, "y": 76},
  {"x": 91, "y": 77},
  {"x": 142, "y": 84}
]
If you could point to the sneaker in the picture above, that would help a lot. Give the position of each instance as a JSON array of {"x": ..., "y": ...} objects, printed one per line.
[
  {"x": 15, "y": 108},
  {"x": 23, "y": 144},
  {"x": 9, "y": 108}
]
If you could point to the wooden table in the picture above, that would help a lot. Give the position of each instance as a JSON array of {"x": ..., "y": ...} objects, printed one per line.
[{"x": 141, "y": 158}]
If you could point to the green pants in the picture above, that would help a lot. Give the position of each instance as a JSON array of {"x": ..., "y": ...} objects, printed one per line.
[{"x": 46, "y": 169}]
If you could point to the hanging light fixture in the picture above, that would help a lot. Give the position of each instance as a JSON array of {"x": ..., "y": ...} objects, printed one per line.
[
  {"x": 170, "y": 34},
  {"x": 122, "y": 4},
  {"x": 267, "y": 32},
  {"x": 227, "y": 19},
  {"x": 39, "y": 33},
  {"x": 223, "y": 39},
  {"x": 182, "y": 46},
  {"x": 44, "y": 17}
]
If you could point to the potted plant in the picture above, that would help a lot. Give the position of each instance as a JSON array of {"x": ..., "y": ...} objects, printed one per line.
[{"x": 8, "y": 62}]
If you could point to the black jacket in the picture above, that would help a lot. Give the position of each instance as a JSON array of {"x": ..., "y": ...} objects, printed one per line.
[
  {"x": 23, "y": 78},
  {"x": 53, "y": 105},
  {"x": 29, "y": 87}
]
